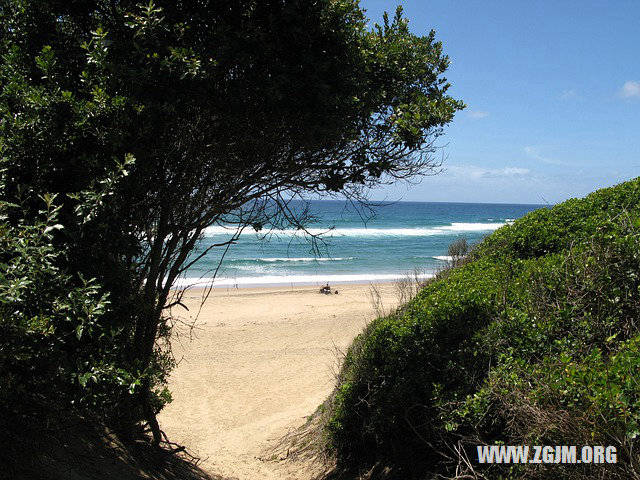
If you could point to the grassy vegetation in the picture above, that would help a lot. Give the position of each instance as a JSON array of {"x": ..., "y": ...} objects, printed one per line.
[{"x": 532, "y": 340}]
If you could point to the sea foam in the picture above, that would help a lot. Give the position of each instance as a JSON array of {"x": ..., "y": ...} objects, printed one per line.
[
  {"x": 291, "y": 259},
  {"x": 455, "y": 227}
]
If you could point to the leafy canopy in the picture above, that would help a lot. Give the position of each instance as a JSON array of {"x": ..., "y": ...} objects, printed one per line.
[{"x": 220, "y": 110}]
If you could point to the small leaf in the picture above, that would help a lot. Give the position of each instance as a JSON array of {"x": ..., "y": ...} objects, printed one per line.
[{"x": 57, "y": 226}]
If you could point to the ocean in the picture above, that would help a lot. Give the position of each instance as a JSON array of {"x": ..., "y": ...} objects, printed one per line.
[{"x": 399, "y": 238}]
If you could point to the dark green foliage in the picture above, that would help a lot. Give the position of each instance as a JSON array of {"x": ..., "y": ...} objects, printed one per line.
[
  {"x": 218, "y": 110},
  {"x": 535, "y": 341},
  {"x": 548, "y": 230},
  {"x": 52, "y": 323}
]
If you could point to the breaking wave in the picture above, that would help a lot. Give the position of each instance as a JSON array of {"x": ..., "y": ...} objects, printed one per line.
[{"x": 455, "y": 227}]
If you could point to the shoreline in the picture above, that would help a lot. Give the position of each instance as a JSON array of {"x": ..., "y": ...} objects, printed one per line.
[
  {"x": 302, "y": 281},
  {"x": 279, "y": 287}
]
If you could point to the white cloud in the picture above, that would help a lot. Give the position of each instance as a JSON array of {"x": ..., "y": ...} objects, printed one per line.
[
  {"x": 511, "y": 172},
  {"x": 534, "y": 153},
  {"x": 475, "y": 172},
  {"x": 478, "y": 114},
  {"x": 567, "y": 94},
  {"x": 630, "y": 89}
]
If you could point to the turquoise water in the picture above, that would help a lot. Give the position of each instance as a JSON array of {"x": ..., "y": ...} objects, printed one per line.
[{"x": 399, "y": 238}]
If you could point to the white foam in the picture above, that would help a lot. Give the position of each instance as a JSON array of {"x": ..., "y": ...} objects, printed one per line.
[
  {"x": 456, "y": 227},
  {"x": 471, "y": 227},
  {"x": 287, "y": 259},
  {"x": 444, "y": 258},
  {"x": 290, "y": 279}
]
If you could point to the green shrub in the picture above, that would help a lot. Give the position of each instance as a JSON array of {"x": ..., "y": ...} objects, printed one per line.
[
  {"x": 58, "y": 350},
  {"x": 533, "y": 342},
  {"x": 552, "y": 230}
]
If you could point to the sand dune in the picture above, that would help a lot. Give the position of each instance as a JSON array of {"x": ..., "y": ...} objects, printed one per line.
[{"x": 260, "y": 361}]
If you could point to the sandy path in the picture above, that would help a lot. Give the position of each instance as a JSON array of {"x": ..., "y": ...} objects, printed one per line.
[{"x": 260, "y": 363}]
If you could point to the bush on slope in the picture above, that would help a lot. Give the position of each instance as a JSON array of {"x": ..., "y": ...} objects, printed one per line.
[{"x": 534, "y": 341}]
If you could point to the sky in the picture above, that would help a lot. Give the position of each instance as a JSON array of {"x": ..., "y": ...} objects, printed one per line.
[{"x": 553, "y": 98}]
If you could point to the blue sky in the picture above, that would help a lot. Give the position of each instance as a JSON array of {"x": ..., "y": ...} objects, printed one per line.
[{"x": 553, "y": 95}]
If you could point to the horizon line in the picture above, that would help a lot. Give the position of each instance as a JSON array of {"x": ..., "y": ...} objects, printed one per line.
[{"x": 391, "y": 202}]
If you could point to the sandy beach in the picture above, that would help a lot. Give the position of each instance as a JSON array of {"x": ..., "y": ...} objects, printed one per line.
[{"x": 259, "y": 361}]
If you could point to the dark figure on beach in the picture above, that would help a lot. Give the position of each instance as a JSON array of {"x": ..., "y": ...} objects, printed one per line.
[{"x": 326, "y": 289}]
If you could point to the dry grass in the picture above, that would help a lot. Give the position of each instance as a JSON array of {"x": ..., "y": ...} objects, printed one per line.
[{"x": 408, "y": 286}]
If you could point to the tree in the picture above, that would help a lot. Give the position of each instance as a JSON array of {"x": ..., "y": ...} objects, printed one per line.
[{"x": 226, "y": 109}]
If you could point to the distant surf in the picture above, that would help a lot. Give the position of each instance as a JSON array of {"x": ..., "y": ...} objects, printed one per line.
[
  {"x": 455, "y": 227},
  {"x": 400, "y": 237},
  {"x": 286, "y": 259}
]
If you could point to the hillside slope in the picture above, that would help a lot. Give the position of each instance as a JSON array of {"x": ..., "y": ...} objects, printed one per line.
[{"x": 534, "y": 341}]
